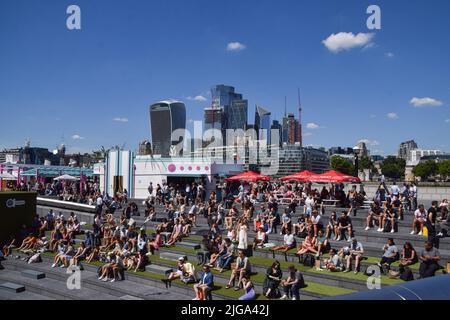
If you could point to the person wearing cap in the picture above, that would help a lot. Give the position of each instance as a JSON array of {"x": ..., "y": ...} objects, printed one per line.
[
  {"x": 185, "y": 270},
  {"x": 354, "y": 252}
]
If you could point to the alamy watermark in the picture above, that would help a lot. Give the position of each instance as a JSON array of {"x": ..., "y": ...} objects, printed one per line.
[
  {"x": 74, "y": 280},
  {"x": 374, "y": 20},
  {"x": 73, "y": 21},
  {"x": 230, "y": 145},
  {"x": 374, "y": 280}
]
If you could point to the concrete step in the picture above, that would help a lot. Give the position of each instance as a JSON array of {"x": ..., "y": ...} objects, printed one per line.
[
  {"x": 33, "y": 274},
  {"x": 140, "y": 288},
  {"x": 170, "y": 256},
  {"x": 158, "y": 269},
  {"x": 189, "y": 245},
  {"x": 13, "y": 287}
]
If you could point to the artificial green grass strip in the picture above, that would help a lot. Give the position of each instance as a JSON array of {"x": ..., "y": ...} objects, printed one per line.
[{"x": 259, "y": 278}]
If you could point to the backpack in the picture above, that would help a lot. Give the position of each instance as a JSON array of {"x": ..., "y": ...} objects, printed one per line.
[
  {"x": 301, "y": 282},
  {"x": 309, "y": 261},
  {"x": 407, "y": 275}
]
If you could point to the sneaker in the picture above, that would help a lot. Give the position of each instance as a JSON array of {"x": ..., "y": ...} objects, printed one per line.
[
  {"x": 348, "y": 240},
  {"x": 420, "y": 233},
  {"x": 195, "y": 299},
  {"x": 412, "y": 232},
  {"x": 346, "y": 270},
  {"x": 380, "y": 230},
  {"x": 440, "y": 234},
  {"x": 53, "y": 265},
  {"x": 356, "y": 272},
  {"x": 61, "y": 266},
  {"x": 367, "y": 228},
  {"x": 105, "y": 279},
  {"x": 392, "y": 231},
  {"x": 284, "y": 297},
  {"x": 113, "y": 280},
  {"x": 294, "y": 298}
]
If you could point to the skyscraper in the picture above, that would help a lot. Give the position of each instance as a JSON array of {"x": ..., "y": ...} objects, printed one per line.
[
  {"x": 262, "y": 122},
  {"x": 166, "y": 117},
  {"x": 213, "y": 118},
  {"x": 235, "y": 108},
  {"x": 291, "y": 129},
  {"x": 277, "y": 126}
]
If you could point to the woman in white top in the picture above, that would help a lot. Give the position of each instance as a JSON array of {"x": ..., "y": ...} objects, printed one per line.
[
  {"x": 309, "y": 204},
  {"x": 243, "y": 236}
]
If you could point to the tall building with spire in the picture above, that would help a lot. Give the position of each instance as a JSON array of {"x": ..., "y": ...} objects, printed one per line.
[{"x": 292, "y": 128}]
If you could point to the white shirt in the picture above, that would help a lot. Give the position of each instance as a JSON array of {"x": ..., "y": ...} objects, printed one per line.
[
  {"x": 395, "y": 189},
  {"x": 315, "y": 219},
  {"x": 309, "y": 202},
  {"x": 288, "y": 239},
  {"x": 99, "y": 201}
]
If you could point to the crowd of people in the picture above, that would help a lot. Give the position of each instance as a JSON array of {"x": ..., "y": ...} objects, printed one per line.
[{"x": 238, "y": 211}]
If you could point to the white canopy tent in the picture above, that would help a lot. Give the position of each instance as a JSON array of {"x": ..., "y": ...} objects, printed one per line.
[
  {"x": 7, "y": 176},
  {"x": 66, "y": 177}
]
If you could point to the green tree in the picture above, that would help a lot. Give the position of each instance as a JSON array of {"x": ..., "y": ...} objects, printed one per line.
[
  {"x": 365, "y": 163},
  {"x": 426, "y": 169},
  {"x": 393, "y": 167},
  {"x": 340, "y": 164},
  {"x": 444, "y": 169}
]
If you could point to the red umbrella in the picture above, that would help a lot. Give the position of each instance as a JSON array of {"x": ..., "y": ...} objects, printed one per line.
[
  {"x": 300, "y": 176},
  {"x": 334, "y": 176},
  {"x": 249, "y": 176}
]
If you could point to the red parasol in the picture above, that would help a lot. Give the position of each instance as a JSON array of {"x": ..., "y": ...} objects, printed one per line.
[
  {"x": 249, "y": 176},
  {"x": 334, "y": 177},
  {"x": 300, "y": 176}
]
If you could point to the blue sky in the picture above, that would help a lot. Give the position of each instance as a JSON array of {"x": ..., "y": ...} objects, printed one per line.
[{"x": 57, "y": 84}]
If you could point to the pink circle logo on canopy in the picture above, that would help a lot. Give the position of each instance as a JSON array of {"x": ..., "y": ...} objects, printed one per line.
[
  {"x": 190, "y": 168},
  {"x": 198, "y": 168},
  {"x": 172, "y": 168},
  {"x": 206, "y": 168},
  {"x": 182, "y": 168}
]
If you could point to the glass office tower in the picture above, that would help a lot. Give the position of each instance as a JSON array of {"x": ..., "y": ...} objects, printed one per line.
[
  {"x": 262, "y": 122},
  {"x": 166, "y": 117}
]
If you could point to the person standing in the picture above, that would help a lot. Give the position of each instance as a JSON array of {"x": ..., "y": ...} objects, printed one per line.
[
  {"x": 413, "y": 196},
  {"x": 431, "y": 224},
  {"x": 395, "y": 190},
  {"x": 150, "y": 188},
  {"x": 243, "y": 236}
]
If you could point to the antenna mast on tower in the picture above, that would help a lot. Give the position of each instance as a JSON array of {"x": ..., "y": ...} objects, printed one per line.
[{"x": 300, "y": 117}]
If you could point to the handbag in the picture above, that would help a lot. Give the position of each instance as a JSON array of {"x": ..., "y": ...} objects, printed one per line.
[{"x": 425, "y": 231}]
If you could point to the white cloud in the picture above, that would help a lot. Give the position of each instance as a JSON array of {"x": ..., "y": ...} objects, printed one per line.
[
  {"x": 235, "y": 46},
  {"x": 447, "y": 120},
  {"x": 370, "y": 142},
  {"x": 392, "y": 115},
  {"x": 307, "y": 134},
  {"x": 77, "y": 137},
  {"x": 347, "y": 40},
  {"x": 389, "y": 55},
  {"x": 198, "y": 98},
  {"x": 312, "y": 125},
  {"x": 118, "y": 119},
  {"x": 425, "y": 102}
]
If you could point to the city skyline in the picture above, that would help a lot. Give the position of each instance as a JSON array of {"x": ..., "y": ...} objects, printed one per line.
[{"x": 95, "y": 87}]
